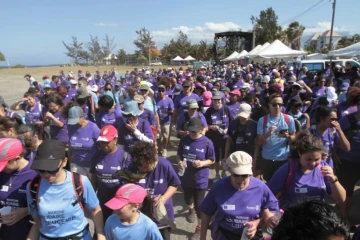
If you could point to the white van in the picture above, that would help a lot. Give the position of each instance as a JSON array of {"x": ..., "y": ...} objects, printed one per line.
[{"x": 319, "y": 65}]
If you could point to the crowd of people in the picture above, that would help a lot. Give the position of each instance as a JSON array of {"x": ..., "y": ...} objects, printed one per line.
[{"x": 94, "y": 147}]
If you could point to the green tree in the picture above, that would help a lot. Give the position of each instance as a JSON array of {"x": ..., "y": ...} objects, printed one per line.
[
  {"x": 294, "y": 33},
  {"x": 311, "y": 48},
  {"x": 265, "y": 26},
  {"x": 95, "y": 50},
  {"x": 109, "y": 46},
  {"x": 144, "y": 41},
  {"x": 282, "y": 35},
  {"x": 2, "y": 57},
  {"x": 84, "y": 56},
  {"x": 73, "y": 49},
  {"x": 121, "y": 56}
]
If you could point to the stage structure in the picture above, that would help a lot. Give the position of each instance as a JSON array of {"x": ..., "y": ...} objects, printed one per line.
[{"x": 232, "y": 41}]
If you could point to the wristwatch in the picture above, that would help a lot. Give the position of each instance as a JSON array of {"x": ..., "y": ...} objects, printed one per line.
[{"x": 336, "y": 180}]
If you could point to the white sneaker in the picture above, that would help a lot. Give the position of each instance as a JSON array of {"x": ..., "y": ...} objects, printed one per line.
[{"x": 217, "y": 178}]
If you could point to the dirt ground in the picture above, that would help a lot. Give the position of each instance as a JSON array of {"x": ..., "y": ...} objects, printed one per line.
[{"x": 13, "y": 85}]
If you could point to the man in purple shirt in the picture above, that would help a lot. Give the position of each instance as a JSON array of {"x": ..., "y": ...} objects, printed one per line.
[
  {"x": 55, "y": 82},
  {"x": 235, "y": 83}
]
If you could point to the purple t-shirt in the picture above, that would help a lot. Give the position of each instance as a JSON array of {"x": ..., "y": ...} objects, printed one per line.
[
  {"x": 235, "y": 84},
  {"x": 182, "y": 120},
  {"x": 72, "y": 92},
  {"x": 83, "y": 143},
  {"x": 354, "y": 154},
  {"x": 15, "y": 197},
  {"x": 167, "y": 105},
  {"x": 304, "y": 186},
  {"x": 219, "y": 118},
  {"x": 157, "y": 182},
  {"x": 317, "y": 92},
  {"x": 329, "y": 138},
  {"x": 59, "y": 133},
  {"x": 180, "y": 102},
  {"x": 344, "y": 108},
  {"x": 235, "y": 207},
  {"x": 148, "y": 116},
  {"x": 190, "y": 150},
  {"x": 233, "y": 109},
  {"x": 128, "y": 139},
  {"x": 243, "y": 136},
  {"x": 100, "y": 83},
  {"x": 55, "y": 85},
  {"x": 108, "y": 118},
  {"x": 105, "y": 166},
  {"x": 32, "y": 115}
]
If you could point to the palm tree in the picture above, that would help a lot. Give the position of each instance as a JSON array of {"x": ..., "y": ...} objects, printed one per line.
[
  {"x": 282, "y": 36},
  {"x": 294, "y": 32},
  {"x": 344, "y": 42}
]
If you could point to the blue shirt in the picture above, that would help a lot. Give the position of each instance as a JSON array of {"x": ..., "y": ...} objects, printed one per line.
[
  {"x": 58, "y": 217},
  {"x": 144, "y": 228},
  {"x": 275, "y": 148}
]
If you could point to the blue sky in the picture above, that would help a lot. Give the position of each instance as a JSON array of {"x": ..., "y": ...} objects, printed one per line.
[{"x": 32, "y": 31}]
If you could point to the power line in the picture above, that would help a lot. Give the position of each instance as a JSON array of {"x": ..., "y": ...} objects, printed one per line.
[{"x": 302, "y": 13}]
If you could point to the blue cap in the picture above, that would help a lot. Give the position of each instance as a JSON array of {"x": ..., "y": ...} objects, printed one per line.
[
  {"x": 74, "y": 115},
  {"x": 131, "y": 108},
  {"x": 110, "y": 93},
  {"x": 122, "y": 77},
  {"x": 46, "y": 85},
  {"x": 344, "y": 86},
  {"x": 66, "y": 84}
]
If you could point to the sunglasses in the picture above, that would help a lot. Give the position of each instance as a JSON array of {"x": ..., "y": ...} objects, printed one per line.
[
  {"x": 143, "y": 90},
  {"x": 49, "y": 172},
  {"x": 333, "y": 119},
  {"x": 240, "y": 176},
  {"x": 107, "y": 89},
  {"x": 277, "y": 104},
  {"x": 161, "y": 90}
]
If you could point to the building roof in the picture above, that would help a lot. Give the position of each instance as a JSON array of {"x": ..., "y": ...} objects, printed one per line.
[
  {"x": 327, "y": 34},
  {"x": 315, "y": 37}
]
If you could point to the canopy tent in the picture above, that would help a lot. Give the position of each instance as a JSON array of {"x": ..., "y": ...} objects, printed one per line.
[
  {"x": 240, "y": 55},
  {"x": 230, "y": 57},
  {"x": 277, "y": 49},
  {"x": 189, "y": 58},
  {"x": 254, "y": 50},
  {"x": 352, "y": 50},
  {"x": 253, "y": 53},
  {"x": 178, "y": 58}
]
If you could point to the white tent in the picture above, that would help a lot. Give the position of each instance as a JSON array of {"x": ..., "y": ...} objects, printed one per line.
[
  {"x": 178, "y": 58},
  {"x": 254, "y": 50},
  {"x": 230, "y": 57},
  {"x": 240, "y": 55},
  {"x": 277, "y": 49},
  {"x": 253, "y": 53},
  {"x": 352, "y": 50},
  {"x": 189, "y": 58}
]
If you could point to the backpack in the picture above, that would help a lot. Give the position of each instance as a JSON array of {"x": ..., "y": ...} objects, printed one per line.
[
  {"x": 77, "y": 184},
  {"x": 354, "y": 127},
  {"x": 286, "y": 118},
  {"x": 225, "y": 109}
]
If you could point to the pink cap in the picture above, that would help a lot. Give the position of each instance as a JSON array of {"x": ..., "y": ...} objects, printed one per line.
[
  {"x": 236, "y": 92},
  {"x": 108, "y": 133},
  {"x": 207, "y": 98},
  {"x": 10, "y": 148},
  {"x": 128, "y": 193},
  {"x": 281, "y": 86}
]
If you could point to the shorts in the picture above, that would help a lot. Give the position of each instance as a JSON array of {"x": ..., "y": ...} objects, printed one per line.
[
  {"x": 85, "y": 171},
  {"x": 219, "y": 153},
  {"x": 269, "y": 167},
  {"x": 348, "y": 174},
  {"x": 165, "y": 131}
]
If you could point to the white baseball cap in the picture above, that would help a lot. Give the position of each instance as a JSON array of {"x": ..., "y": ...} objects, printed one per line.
[
  {"x": 244, "y": 110},
  {"x": 240, "y": 163}
]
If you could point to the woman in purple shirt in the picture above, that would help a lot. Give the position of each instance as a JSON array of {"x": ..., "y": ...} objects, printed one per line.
[
  {"x": 320, "y": 88},
  {"x": 159, "y": 179},
  {"x": 33, "y": 109},
  {"x": 311, "y": 176},
  {"x": 109, "y": 113},
  {"x": 15, "y": 174},
  {"x": 58, "y": 128},
  {"x": 243, "y": 199},
  {"x": 83, "y": 135},
  {"x": 194, "y": 156},
  {"x": 32, "y": 136}
]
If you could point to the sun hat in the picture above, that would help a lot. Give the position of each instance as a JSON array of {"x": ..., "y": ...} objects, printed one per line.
[
  {"x": 244, "y": 110},
  {"x": 191, "y": 104},
  {"x": 107, "y": 134},
  {"x": 217, "y": 95},
  {"x": 73, "y": 82},
  {"x": 128, "y": 193},
  {"x": 236, "y": 92},
  {"x": 131, "y": 108},
  {"x": 144, "y": 87},
  {"x": 266, "y": 79},
  {"x": 74, "y": 115},
  {"x": 82, "y": 92},
  {"x": 49, "y": 155},
  {"x": 10, "y": 148},
  {"x": 94, "y": 88},
  {"x": 240, "y": 163},
  {"x": 206, "y": 96},
  {"x": 194, "y": 125},
  {"x": 138, "y": 99}
]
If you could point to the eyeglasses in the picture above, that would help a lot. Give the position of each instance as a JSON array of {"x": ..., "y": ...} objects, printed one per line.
[
  {"x": 108, "y": 89},
  {"x": 277, "y": 104},
  {"x": 161, "y": 90},
  {"x": 240, "y": 176},
  {"x": 333, "y": 119},
  {"x": 49, "y": 172}
]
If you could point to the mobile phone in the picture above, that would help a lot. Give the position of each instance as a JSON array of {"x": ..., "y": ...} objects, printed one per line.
[{"x": 283, "y": 131}]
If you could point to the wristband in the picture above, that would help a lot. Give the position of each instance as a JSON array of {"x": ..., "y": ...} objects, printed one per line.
[{"x": 336, "y": 180}]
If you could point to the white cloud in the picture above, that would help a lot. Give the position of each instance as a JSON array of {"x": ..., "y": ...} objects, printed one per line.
[
  {"x": 324, "y": 26},
  {"x": 106, "y": 25},
  {"x": 195, "y": 34}
]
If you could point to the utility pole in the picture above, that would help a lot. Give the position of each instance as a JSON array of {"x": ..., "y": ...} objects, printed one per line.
[
  {"x": 149, "y": 53},
  {"x": 331, "y": 31},
  {"x": 253, "y": 38}
]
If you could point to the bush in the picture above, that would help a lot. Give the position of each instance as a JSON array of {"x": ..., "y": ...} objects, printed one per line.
[{"x": 18, "y": 66}]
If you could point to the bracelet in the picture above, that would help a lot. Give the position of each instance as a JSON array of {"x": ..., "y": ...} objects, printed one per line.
[{"x": 336, "y": 180}]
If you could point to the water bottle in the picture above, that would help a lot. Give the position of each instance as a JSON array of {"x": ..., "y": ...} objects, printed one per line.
[
  {"x": 276, "y": 217},
  {"x": 181, "y": 172},
  {"x": 244, "y": 234},
  {"x": 221, "y": 130},
  {"x": 157, "y": 135},
  {"x": 326, "y": 148}
]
